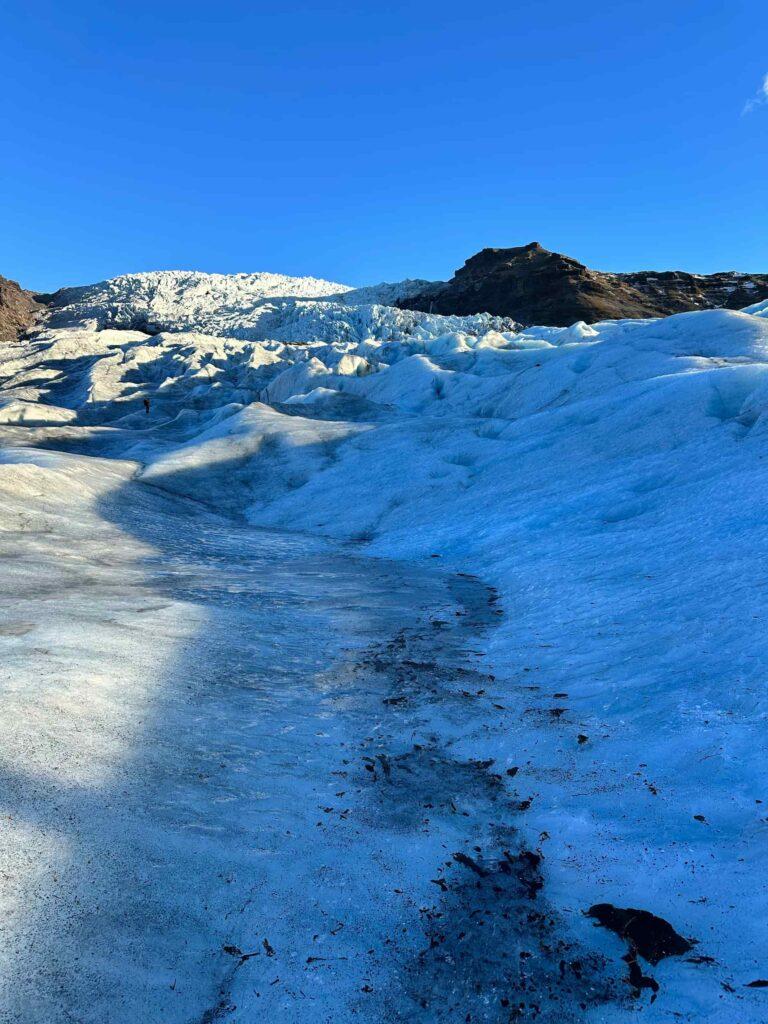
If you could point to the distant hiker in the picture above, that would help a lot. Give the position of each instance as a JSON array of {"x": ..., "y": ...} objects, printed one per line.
[{"x": 146, "y": 406}]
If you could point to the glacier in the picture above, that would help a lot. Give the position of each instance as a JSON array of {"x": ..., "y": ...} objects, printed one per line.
[{"x": 354, "y": 653}]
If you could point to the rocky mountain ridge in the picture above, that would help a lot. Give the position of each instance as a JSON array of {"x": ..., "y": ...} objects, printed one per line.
[
  {"x": 18, "y": 309},
  {"x": 535, "y": 286}
]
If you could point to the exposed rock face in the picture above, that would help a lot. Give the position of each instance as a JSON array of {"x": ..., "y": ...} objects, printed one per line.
[
  {"x": 535, "y": 286},
  {"x": 18, "y": 309},
  {"x": 674, "y": 291}
]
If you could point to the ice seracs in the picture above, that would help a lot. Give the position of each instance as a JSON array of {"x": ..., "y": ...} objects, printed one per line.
[{"x": 252, "y": 306}]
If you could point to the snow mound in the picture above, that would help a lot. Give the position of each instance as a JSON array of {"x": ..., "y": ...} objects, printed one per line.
[{"x": 757, "y": 309}]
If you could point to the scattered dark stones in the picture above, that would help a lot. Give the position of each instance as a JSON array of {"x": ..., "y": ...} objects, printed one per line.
[
  {"x": 222, "y": 1009},
  {"x": 471, "y": 863},
  {"x": 241, "y": 956},
  {"x": 492, "y": 943},
  {"x": 493, "y": 952},
  {"x": 526, "y": 866},
  {"x": 386, "y": 766}
]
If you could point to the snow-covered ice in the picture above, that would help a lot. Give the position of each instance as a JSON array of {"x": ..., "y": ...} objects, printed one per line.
[{"x": 363, "y": 589}]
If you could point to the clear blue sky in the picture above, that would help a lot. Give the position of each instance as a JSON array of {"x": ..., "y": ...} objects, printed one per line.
[{"x": 378, "y": 141}]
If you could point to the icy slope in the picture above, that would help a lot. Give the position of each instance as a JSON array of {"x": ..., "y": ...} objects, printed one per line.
[
  {"x": 173, "y": 729},
  {"x": 758, "y": 308},
  {"x": 609, "y": 480}
]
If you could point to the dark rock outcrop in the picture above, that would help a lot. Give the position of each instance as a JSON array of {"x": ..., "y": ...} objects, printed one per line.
[
  {"x": 534, "y": 286},
  {"x": 18, "y": 310},
  {"x": 649, "y": 936}
]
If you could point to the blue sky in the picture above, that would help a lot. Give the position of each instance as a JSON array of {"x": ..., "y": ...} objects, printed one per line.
[{"x": 380, "y": 141}]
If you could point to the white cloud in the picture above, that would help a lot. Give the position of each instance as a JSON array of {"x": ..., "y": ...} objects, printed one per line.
[{"x": 760, "y": 98}]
